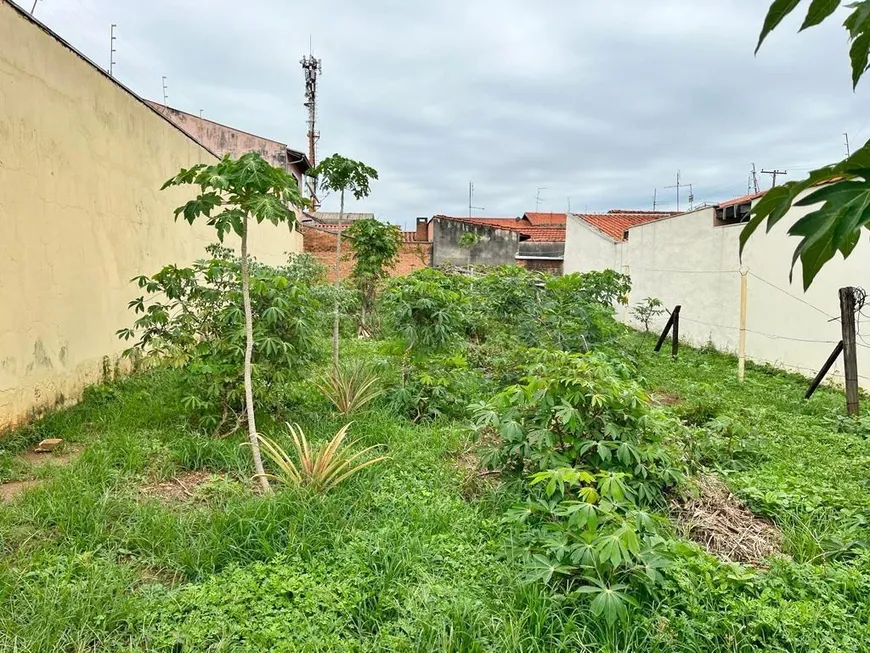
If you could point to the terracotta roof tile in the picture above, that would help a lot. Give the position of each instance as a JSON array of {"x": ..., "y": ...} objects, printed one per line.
[
  {"x": 616, "y": 222},
  {"x": 544, "y": 234},
  {"x": 512, "y": 224},
  {"x": 740, "y": 200},
  {"x": 546, "y": 219}
]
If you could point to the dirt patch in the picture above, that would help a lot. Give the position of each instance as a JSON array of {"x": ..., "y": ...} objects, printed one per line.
[
  {"x": 662, "y": 398},
  {"x": 181, "y": 487},
  {"x": 60, "y": 457},
  {"x": 475, "y": 479},
  {"x": 9, "y": 491},
  {"x": 722, "y": 524}
]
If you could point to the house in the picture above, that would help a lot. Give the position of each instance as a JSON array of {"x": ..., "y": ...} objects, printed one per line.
[
  {"x": 533, "y": 240},
  {"x": 223, "y": 140},
  {"x": 693, "y": 259}
]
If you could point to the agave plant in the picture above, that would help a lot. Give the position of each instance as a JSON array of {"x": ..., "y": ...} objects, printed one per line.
[
  {"x": 350, "y": 387},
  {"x": 319, "y": 468}
]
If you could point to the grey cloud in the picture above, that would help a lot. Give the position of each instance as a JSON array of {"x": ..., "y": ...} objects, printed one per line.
[{"x": 600, "y": 102}]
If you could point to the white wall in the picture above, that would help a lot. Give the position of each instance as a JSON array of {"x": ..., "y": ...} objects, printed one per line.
[
  {"x": 687, "y": 260},
  {"x": 586, "y": 248}
]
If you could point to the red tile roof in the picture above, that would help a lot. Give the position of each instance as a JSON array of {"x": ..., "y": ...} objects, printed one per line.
[
  {"x": 616, "y": 222},
  {"x": 544, "y": 234},
  {"x": 546, "y": 219},
  {"x": 553, "y": 234},
  {"x": 744, "y": 199}
]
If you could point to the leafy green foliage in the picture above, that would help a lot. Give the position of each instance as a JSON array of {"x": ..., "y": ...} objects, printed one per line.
[
  {"x": 375, "y": 246},
  {"x": 340, "y": 174},
  {"x": 247, "y": 186},
  {"x": 647, "y": 310},
  {"x": 836, "y": 225},
  {"x": 428, "y": 308},
  {"x": 192, "y": 319},
  {"x": 469, "y": 239}
]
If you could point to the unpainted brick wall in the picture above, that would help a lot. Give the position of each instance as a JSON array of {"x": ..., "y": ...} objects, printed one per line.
[{"x": 320, "y": 244}]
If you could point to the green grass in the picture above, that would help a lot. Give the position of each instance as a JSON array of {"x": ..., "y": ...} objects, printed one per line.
[{"x": 399, "y": 558}]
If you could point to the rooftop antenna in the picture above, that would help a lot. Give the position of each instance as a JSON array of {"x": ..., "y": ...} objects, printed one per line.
[
  {"x": 848, "y": 148},
  {"x": 33, "y": 8},
  {"x": 165, "y": 95},
  {"x": 691, "y": 197},
  {"x": 112, "y": 50},
  {"x": 471, "y": 199},
  {"x": 680, "y": 185},
  {"x": 774, "y": 173},
  {"x": 538, "y": 198},
  {"x": 311, "y": 68},
  {"x": 655, "y": 198},
  {"x": 755, "y": 179}
]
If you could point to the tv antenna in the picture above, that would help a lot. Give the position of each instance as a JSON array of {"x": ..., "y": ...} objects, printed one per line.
[
  {"x": 311, "y": 68},
  {"x": 471, "y": 206},
  {"x": 848, "y": 147},
  {"x": 165, "y": 93},
  {"x": 112, "y": 50},
  {"x": 755, "y": 179},
  {"x": 538, "y": 198},
  {"x": 33, "y": 8},
  {"x": 680, "y": 185}
]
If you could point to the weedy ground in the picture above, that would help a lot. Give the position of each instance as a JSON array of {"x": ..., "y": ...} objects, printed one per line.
[{"x": 403, "y": 557}]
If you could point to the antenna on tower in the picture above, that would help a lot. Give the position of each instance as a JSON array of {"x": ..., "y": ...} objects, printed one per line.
[
  {"x": 112, "y": 50},
  {"x": 311, "y": 68}
]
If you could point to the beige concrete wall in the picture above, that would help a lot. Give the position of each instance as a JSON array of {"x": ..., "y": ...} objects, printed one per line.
[
  {"x": 81, "y": 164},
  {"x": 690, "y": 261}
]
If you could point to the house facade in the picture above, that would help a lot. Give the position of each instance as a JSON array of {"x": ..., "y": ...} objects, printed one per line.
[
  {"x": 693, "y": 260},
  {"x": 533, "y": 240}
]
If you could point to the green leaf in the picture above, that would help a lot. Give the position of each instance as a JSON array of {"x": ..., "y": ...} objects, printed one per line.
[
  {"x": 859, "y": 54},
  {"x": 775, "y": 15},
  {"x": 819, "y": 11}
]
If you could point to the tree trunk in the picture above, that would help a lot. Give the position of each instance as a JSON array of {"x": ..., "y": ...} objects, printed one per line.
[
  {"x": 335, "y": 317},
  {"x": 249, "y": 351}
]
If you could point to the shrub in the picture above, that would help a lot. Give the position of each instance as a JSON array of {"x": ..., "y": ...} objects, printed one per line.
[
  {"x": 428, "y": 308},
  {"x": 647, "y": 310},
  {"x": 350, "y": 386},
  {"x": 320, "y": 468},
  {"x": 440, "y": 386},
  {"x": 375, "y": 250},
  {"x": 192, "y": 319}
]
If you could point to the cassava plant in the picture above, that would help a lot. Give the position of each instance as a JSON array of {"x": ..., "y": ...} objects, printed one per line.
[
  {"x": 233, "y": 192},
  {"x": 375, "y": 247},
  {"x": 647, "y": 310},
  {"x": 319, "y": 468},
  {"x": 338, "y": 173}
]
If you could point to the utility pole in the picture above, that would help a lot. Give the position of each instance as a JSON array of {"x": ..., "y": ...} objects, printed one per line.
[
  {"x": 112, "y": 51},
  {"x": 774, "y": 173},
  {"x": 165, "y": 95},
  {"x": 471, "y": 199},
  {"x": 678, "y": 186},
  {"x": 311, "y": 68},
  {"x": 538, "y": 198},
  {"x": 848, "y": 148},
  {"x": 754, "y": 178}
]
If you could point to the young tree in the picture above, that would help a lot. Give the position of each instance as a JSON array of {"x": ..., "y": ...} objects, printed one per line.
[
  {"x": 231, "y": 193},
  {"x": 375, "y": 247},
  {"x": 338, "y": 173},
  {"x": 844, "y": 195}
]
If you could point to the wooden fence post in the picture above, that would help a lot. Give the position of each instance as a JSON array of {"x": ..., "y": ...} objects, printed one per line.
[
  {"x": 673, "y": 321},
  {"x": 850, "y": 354},
  {"x": 675, "y": 341},
  {"x": 741, "y": 348},
  {"x": 822, "y": 372}
]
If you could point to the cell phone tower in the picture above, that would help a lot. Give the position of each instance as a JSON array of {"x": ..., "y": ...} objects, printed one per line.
[{"x": 311, "y": 68}]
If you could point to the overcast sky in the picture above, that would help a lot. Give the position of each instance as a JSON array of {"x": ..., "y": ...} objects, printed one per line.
[{"x": 600, "y": 102}]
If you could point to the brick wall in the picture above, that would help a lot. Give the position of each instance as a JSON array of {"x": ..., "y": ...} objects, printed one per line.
[{"x": 321, "y": 244}]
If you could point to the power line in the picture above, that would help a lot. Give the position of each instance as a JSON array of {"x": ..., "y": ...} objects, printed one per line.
[
  {"x": 774, "y": 173},
  {"x": 795, "y": 297}
]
